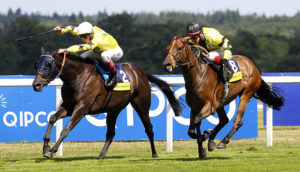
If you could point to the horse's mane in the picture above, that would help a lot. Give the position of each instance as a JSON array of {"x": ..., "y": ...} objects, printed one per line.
[{"x": 73, "y": 57}]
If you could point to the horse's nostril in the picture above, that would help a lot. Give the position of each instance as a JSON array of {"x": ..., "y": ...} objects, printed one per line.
[
  {"x": 168, "y": 65},
  {"x": 37, "y": 85}
]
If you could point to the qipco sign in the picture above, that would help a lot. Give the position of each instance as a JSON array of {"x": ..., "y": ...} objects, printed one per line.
[{"x": 25, "y": 115}]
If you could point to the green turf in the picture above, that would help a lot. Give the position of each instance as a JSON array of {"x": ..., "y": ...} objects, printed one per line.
[{"x": 240, "y": 155}]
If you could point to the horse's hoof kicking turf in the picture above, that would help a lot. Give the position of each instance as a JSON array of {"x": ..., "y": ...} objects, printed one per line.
[{"x": 221, "y": 145}]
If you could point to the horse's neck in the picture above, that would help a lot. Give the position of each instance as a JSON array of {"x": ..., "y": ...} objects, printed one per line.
[
  {"x": 72, "y": 70},
  {"x": 194, "y": 73}
]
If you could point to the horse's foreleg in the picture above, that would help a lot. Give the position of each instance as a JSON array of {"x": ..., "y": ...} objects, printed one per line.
[
  {"x": 111, "y": 123},
  {"x": 201, "y": 150},
  {"x": 223, "y": 120},
  {"x": 61, "y": 113},
  {"x": 205, "y": 111},
  {"x": 238, "y": 122},
  {"x": 76, "y": 116},
  {"x": 65, "y": 132}
]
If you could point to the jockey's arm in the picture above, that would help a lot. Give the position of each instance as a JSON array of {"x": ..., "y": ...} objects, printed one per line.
[
  {"x": 71, "y": 29},
  {"x": 82, "y": 47}
]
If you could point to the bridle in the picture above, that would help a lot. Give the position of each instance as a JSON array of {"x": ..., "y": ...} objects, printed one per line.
[
  {"x": 177, "y": 59},
  {"x": 49, "y": 75}
]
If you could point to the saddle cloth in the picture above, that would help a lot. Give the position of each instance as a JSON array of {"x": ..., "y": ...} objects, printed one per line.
[
  {"x": 237, "y": 75},
  {"x": 123, "y": 81}
]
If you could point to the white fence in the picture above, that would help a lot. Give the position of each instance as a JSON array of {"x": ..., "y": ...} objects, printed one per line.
[{"x": 171, "y": 80}]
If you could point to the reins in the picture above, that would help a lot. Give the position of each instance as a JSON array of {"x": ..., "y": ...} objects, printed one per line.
[
  {"x": 201, "y": 51},
  {"x": 63, "y": 64}
]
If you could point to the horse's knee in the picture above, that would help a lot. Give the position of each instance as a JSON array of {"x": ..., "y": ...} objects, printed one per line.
[
  {"x": 197, "y": 120},
  {"x": 240, "y": 123},
  {"x": 192, "y": 134},
  {"x": 52, "y": 119}
]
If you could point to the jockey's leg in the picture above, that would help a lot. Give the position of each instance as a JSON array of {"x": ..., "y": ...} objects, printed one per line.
[
  {"x": 216, "y": 56},
  {"x": 108, "y": 57},
  {"x": 227, "y": 71}
]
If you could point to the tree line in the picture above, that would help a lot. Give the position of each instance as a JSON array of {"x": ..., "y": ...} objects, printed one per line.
[{"x": 272, "y": 43}]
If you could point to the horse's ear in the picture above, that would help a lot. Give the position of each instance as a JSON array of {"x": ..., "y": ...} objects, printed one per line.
[{"x": 42, "y": 50}]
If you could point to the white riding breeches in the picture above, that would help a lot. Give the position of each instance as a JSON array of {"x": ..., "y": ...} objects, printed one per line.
[
  {"x": 115, "y": 55},
  {"x": 214, "y": 53}
]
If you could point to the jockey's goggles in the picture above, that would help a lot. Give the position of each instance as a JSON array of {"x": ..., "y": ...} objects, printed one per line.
[{"x": 84, "y": 36}]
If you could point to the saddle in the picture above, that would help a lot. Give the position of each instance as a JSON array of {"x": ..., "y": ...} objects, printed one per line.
[
  {"x": 123, "y": 81},
  {"x": 231, "y": 71}
]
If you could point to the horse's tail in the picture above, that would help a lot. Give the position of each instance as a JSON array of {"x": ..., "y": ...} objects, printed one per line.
[
  {"x": 165, "y": 87},
  {"x": 270, "y": 96}
]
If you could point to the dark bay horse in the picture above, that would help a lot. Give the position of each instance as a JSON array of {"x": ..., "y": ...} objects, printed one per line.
[
  {"x": 83, "y": 93},
  {"x": 205, "y": 90}
]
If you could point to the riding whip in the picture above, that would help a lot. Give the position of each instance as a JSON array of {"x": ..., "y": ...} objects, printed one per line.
[{"x": 33, "y": 36}]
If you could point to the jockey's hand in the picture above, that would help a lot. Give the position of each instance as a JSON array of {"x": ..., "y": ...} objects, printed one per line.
[
  {"x": 62, "y": 50},
  {"x": 57, "y": 29}
]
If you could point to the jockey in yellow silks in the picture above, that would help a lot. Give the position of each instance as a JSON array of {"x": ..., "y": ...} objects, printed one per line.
[
  {"x": 97, "y": 44},
  {"x": 213, "y": 41}
]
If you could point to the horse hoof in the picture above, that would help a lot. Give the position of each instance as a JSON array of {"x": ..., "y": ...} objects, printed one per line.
[
  {"x": 154, "y": 156},
  {"x": 211, "y": 145},
  {"x": 221, "y": 145},
  {"x": 48, "y": 154},
  {"x": 202, "y": 153},
  {"x": 101, "y": 157}
]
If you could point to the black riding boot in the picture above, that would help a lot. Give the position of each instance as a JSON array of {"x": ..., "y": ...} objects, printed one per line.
[
  {"x": 227, "y": 71},
  {"x": 111, "y": 81}
]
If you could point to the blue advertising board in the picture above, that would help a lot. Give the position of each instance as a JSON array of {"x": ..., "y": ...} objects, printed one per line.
[
  {"x": 289, "y": 114},
  {"x": 24, "y": 115}
]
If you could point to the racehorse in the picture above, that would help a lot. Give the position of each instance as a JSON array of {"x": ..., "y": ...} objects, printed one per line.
[
  {"x": 83, "y": 93},
  {"x": 205, "y": 90}
]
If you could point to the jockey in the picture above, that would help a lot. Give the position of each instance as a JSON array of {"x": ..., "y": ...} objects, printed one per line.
[
  {"x": 213, "y": 41},
  {"x": 97, "y": 44}
]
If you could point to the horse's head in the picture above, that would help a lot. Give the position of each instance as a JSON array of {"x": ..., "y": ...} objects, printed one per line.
[
  {"x": 46, "y": 71},
  {"x": 176, "y": 53}
]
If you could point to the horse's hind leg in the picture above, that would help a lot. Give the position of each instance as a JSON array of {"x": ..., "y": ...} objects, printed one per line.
[
  {"x": 111, "y": 123},
  {"x": 223, "y": 120},
  {"x": 238, "y": 121},
  {"x": 61, "y": 113},
  {"x": 142, "y": 108}
]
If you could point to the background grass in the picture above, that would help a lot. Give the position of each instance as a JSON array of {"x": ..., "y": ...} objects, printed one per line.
[{"x": 240, "y": 155}]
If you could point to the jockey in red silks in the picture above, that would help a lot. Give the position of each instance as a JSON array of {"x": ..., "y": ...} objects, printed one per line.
[
  {"x": 97, "y": 44},
  {"x": 213, "y": 41}
]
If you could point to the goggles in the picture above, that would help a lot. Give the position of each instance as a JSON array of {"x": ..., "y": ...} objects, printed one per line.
[{"x": 84, "y": 36}]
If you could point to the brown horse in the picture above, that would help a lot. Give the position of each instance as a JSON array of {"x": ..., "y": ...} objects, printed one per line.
[
  {"x": 205, "y": 90},
  {"x": 83, "y": 93}
]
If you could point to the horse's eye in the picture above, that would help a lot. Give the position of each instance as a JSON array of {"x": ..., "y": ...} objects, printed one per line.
[{"x": 179, "y": 48}]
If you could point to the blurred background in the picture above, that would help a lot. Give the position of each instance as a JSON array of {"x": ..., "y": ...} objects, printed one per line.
[{"x": 267, "y": 32}]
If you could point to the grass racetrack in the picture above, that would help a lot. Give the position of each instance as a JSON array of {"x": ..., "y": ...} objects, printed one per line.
[{"x": 240, "y": 155}]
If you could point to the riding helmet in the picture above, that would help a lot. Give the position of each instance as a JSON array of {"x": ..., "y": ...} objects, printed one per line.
[
  {"x": 193, "y": 29},
  {"x": 85, "y": 28}
]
